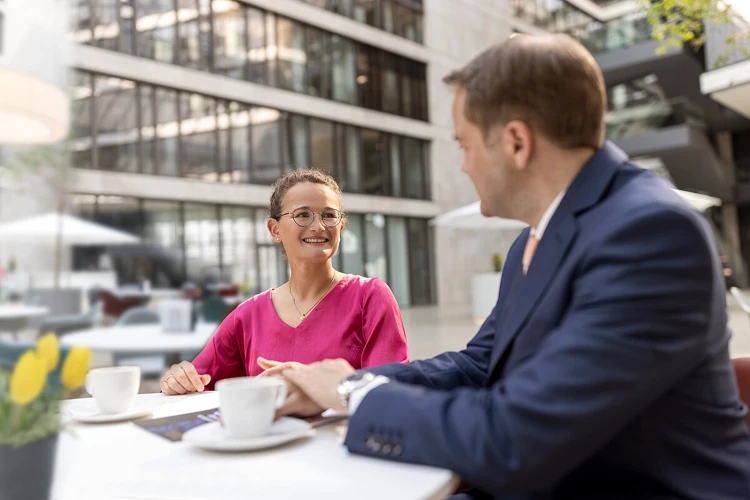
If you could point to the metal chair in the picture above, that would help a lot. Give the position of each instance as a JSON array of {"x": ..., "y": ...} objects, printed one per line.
[
  {"x": 138, "y": 316},
  {"x": 151, "y": 366}
]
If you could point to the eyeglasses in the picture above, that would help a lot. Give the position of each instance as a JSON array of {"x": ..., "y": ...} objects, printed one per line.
[{"x": 303, "y": 217}]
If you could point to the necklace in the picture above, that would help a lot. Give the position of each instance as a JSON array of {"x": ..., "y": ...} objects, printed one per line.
[{"x": 294, "y": 301}]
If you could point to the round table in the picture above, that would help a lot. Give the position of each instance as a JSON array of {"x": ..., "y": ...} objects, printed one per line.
[
  {"x": 118, "y": 461},
  {"x": 14, "y": 318},
  {"x": 140, "y": 339}
]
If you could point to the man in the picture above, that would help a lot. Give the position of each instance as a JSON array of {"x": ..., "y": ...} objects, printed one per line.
[{"x": 603, "y": 371}]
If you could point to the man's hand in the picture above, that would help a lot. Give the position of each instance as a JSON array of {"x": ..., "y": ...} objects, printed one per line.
[
  {"x": 319, "y": 381},
  {"x": 298, "y": 404}
]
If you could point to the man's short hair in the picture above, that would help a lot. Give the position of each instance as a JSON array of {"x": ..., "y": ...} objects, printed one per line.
[{"x": 550, "y": 82}]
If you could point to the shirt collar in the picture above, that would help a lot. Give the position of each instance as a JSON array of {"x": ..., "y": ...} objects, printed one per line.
[{"x": 538, "y": 231}]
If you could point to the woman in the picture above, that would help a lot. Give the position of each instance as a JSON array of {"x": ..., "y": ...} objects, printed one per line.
[{"x": 319, "y": 313}]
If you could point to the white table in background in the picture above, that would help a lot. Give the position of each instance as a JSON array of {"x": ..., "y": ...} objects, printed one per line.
[
  {"x": 14, "y": 317},
  {"x": 123, "y": 461},
  {"x": 141, "y": 339}
]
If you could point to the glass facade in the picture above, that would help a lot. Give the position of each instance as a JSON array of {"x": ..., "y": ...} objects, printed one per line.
[
  {"x": 239, "y": 41},
  {"x": 198, "y": 241},
  {"x": 400, "y": 17},
  {"x": 126, "y": 126},
  {"x": 561, "y": 17}
]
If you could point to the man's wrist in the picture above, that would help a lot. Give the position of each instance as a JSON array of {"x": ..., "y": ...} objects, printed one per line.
[{"x": 358, "y": 395}]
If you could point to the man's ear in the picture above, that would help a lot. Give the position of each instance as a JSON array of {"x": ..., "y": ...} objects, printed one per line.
[{"x": 518, "y": 143}]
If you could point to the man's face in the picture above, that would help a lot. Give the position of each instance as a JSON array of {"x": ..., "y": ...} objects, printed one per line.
[{"x": 485, "y": 162}]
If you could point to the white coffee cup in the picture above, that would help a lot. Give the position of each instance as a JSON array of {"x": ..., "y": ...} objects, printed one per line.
[
  {"x": 248, "y": 404},
  {"x": 114, "y": 388}
]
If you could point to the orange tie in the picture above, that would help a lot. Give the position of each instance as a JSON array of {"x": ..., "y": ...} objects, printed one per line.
[{"x": 528, "y": 252}]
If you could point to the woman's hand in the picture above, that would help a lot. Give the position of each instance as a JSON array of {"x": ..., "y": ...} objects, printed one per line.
[
  {"x": 275, "y": 368},
  {"x": 183, "y": 378}
]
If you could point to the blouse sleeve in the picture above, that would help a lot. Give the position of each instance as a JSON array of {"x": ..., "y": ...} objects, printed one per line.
[
  {"x": 222, "y": 356},
  {"x": 382, "y": 327}
]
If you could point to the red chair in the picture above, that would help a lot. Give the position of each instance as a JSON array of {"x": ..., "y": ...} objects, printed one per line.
[
  {"x": 115, "y": 306},
  {"x": 742, "y": 372},
  {"x": 228, "y": 291}
]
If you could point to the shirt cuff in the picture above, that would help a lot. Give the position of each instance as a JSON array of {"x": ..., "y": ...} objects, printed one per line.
[{"x": 357, "y": 395}]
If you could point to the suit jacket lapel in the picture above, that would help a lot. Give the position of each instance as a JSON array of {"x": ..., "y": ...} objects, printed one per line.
[{"x": 586, "y": 190}]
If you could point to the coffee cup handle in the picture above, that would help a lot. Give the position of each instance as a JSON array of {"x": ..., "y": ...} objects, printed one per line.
[{"x": 281, "y": 396}]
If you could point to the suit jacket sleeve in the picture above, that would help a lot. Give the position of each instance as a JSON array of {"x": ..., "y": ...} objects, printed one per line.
[
  {"x": 453, "y": 369},
  {"x": 641, "y": 305}
]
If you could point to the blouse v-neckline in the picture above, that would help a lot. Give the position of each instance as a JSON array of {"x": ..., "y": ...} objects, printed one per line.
[{"x": 307, "y": 317}]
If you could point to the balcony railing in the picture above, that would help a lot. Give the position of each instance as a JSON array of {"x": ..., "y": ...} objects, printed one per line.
[
  {"x": 616, "y": 34},
  {"x": 643, "y": 118}
]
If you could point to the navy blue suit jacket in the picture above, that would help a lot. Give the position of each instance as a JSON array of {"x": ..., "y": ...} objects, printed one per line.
[{"x": 602, "y": 373}]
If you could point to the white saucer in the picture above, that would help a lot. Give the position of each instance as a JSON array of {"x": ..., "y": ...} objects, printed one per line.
[
  {"x": 212, "y": 436},
  {"x": 85, "y": 410}
]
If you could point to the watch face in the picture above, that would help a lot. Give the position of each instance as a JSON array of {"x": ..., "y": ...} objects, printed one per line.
[{"x": 356, "y": 380}]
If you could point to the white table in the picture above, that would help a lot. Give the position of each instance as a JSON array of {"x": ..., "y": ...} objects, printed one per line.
[
  {"x": 14, "y": 317},
  {"x": 151, "y": 293},
  {"x": 142, "y": 340},
  {"x": 123, "y": 461}
]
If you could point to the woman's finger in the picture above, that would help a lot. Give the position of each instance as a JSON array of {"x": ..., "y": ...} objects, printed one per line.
[
  {"x": 275, "y": 371},
  {"x": 165, "y": 389},
  {"x": 268, "y": 363},
  {"x": 192, "y": 378},
  {"x": 175, "y": 384}
]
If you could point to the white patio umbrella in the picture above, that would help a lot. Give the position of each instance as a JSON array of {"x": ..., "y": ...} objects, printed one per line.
[
  {"x": 62, "y": 229},
  {"x": 469, "y": 216},
  {"x": 45, "y": 228}
]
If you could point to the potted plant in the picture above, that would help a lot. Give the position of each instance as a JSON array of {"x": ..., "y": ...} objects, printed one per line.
[
  {"x": 497, "y": 262},
  {"x": 30, "y": 395}
]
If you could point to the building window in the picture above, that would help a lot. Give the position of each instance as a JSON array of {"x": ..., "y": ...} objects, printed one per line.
[
  {"x": 126, "y": 126},
  {"x": 116, "y": 124},
  {"x": 344, "y": 57},
  {"x": 230, "y": 39},
  {"x": 373, "y": 154},
  {"x": 322, "y": 145},
  {"x": 238, "y": 41},
  {"x": 268, "y": 139},
  {"x": 400, "y": 17},
  {"x": 198, "y": 141},
  {"x": 156, "y": 29}
]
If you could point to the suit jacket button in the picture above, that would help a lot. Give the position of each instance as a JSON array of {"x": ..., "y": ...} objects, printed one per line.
[
  {"x": 397, "y": 450},
  {"x": 387, "y": 447},
  {"x": 376, "y": 446}
]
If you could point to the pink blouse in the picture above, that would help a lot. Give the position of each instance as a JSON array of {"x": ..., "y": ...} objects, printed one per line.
[{"x": 359, "y": 321}]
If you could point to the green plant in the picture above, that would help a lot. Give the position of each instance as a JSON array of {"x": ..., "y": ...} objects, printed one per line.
[
  {"x": 679, "y": 22},
  {"x": 29, "y": 403},
  {"x": 497, "y": 262}
]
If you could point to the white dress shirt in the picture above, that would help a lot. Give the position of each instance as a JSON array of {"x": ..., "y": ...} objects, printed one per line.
[{"x": 357, "y": 395}]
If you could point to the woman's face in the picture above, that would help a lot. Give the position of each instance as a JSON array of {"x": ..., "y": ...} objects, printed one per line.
[{"x": 315, "y": 242}]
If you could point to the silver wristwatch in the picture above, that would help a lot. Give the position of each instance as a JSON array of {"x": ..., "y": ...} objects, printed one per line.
[{"x": 351, "y": 383}]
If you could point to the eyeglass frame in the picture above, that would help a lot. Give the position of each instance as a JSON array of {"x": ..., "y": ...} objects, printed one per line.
[{"x": 312, "y": 219}]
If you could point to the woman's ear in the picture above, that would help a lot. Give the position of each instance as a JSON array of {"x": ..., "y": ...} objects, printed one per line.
[{"x": 273, "y": 228}]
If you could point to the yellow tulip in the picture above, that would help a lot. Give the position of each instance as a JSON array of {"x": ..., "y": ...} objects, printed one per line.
[
  {"x": 28, "y": 379},
  {"x": 48, "y": 349},
  {"x": 75, "y": 368}
]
